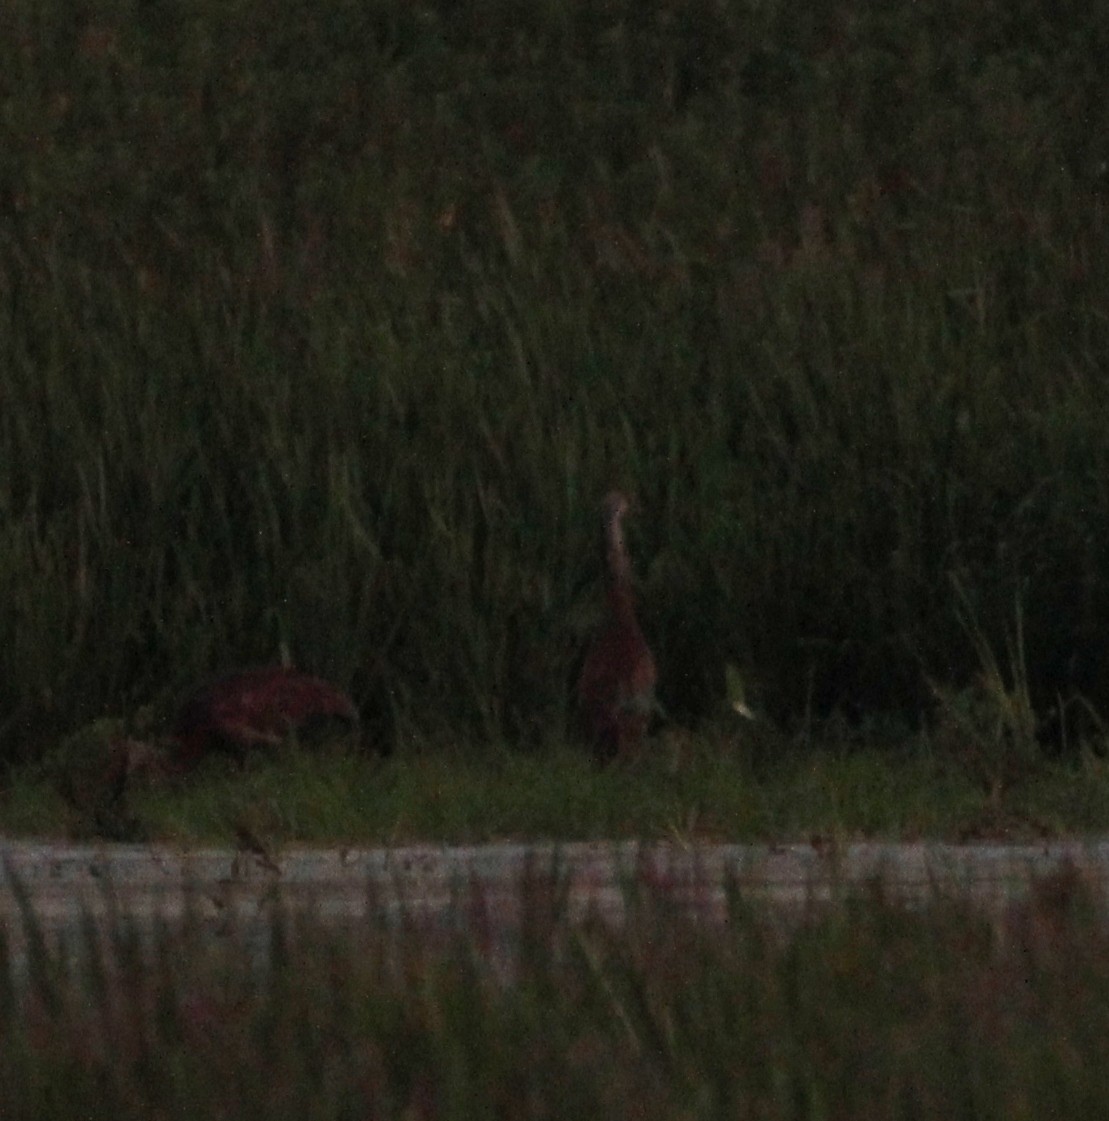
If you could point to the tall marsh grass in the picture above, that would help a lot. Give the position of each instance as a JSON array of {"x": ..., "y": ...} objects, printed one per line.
[
  {"x": 322, "y": 334},
  {"x": 864, "y": 1010}
]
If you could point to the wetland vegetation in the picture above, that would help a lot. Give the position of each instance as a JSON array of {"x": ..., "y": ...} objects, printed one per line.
[{"x": 323, "y": 329}]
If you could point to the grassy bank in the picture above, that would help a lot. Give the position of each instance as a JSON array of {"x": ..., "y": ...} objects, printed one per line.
[
  {"x": 868, "y": 1010},
  {"x": 698, "y": 791},
  {"x": 323, "y": 334}
]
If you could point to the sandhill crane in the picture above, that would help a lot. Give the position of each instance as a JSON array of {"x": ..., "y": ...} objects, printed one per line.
[
  {"x": 251, "y": 707},
  {"x": 617, "y": 682}
]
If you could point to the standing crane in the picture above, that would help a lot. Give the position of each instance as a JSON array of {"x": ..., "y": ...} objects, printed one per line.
[
  {"x": 616, "y": 689},
  {"x": 252, "y": 707}
]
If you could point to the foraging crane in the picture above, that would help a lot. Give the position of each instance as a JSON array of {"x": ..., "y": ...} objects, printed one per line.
[
  {"x": 616, "y": 689},
  {"x": 250, "y": 707}
]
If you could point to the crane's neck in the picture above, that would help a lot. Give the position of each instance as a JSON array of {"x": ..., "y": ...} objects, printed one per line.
[{"x": 620, "y": 598}]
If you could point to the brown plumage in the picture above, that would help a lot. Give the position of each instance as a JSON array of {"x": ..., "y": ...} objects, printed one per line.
[
  {"x": 616, "y": 689},
  {"x": 253, "y": 707}
]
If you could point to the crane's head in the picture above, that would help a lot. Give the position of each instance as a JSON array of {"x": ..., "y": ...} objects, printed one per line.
[{"x": 614, "y": 507}]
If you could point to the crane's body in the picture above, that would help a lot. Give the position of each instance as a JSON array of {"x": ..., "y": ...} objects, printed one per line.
[
  {"x": 254, "y": 707},
  {"x": 616, "y": 689}
]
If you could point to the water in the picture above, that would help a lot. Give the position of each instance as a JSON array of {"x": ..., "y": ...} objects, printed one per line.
[{"x": 486, "y": 891}]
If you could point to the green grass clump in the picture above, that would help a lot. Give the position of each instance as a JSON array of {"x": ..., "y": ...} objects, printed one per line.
[
  {"x": 323, "y": 334},
  {"x": 862, "y": 1010}
]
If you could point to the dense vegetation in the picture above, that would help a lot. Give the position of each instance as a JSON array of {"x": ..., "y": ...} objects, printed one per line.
[{"x": 323, "y": 328}]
